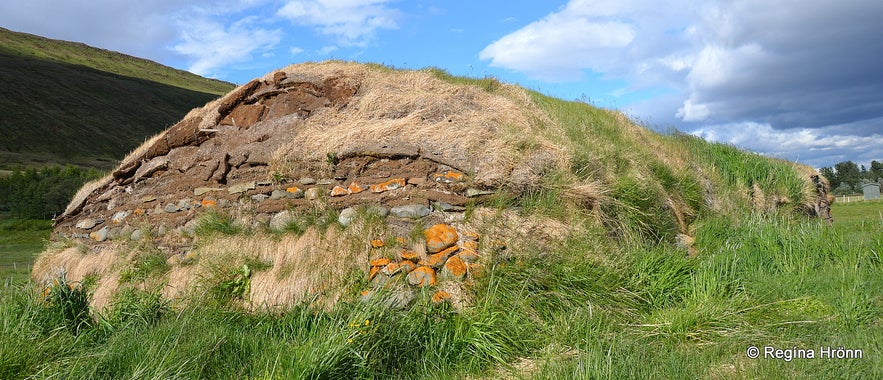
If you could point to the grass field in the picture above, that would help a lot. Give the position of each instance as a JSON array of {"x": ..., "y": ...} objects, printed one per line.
[
  {"x": 765, "y": 281},
  {"x": 20, "y": 243}
]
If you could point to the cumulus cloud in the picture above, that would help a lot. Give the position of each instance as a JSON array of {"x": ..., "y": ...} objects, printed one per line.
[
  {"x": 351, "y": 22},
  {"x": 212, "y": 45},
  {"x": 787, "y": 65}
]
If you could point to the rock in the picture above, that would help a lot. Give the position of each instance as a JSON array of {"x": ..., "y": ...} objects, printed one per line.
[
  {"x": 338, "y": 191},
  {"x": 295, "y": 192},
  {"x": 468, "y": 255},
  {"x": 392, "y": 184},
  {"x": 282, "y": 219},
  {"x": 279, "y": 194},
  {"x": 312, "y": 193},
  {"x": 373, "y": 272},
  {"x": 407, "y": 266},
  {"x": 100, "y": 235},
  {"x": 416, "y": 181},
  {"x": 447, "y": 207},
  {"x": 440, "y": 296},
  {"x": 138, "y": 211},
  {"x": 170, "y": 208},
  {"x": 153, "y": 166},
  {"x": 379, "y": 262},
  {"x": 306, "y": 181},
  {"x": 119, "y": 217},
  {"x": 439, "y": 237},
  {"x": 162, "y": 230},
  {"x": 422, "y": 276},
  {"x": 470, "y": 244},
  {"x": 412, "y": 211},
  {"x": 346, "y": 216},
  {"x": 137, "y": 235},
  {"x": 355, "y": 188},
  {"x": 190, "y": 227},
  {"x": 184, "y": 204},
  {"x": 435, "y": 260},
  {"x": 390, "y": 269},
  {"x": 449, "y": 176},
  {"x": 476, "y": 192},
  {"x": 455, "y": 267},
  {"x": 377, "y": 210},
  {"x": 114, "y": 233},
  {"x": 325, "y": 182},
  {"x": 202, "y": 190},
  {"x": 471, "y": 235},
  {"x": 258, "y": 198},
  {"x": 148, "y": 199},
  {"x": 264, "y": 183},
  {"x": 377, "y": 243},
  {"x": 209, "y": 202},
  {"x": 86, "y": 224},
  {"x": 409, "y": 255},
  {"x": 241, "y": 187}
]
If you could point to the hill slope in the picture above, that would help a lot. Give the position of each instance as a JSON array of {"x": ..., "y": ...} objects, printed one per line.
[
  {"x": 382, "y": 154},
  {"x": 65, "y": 102}
]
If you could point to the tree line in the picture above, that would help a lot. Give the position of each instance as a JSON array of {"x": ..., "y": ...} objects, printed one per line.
[
  {"x": 847, "y": 177},
  {"x": 42, "y": 193}
]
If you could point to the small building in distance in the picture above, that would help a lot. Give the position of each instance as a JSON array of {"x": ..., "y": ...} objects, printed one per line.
[{"x": 871, "y": 190}]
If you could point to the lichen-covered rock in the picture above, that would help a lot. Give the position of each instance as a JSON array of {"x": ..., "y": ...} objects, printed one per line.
[
  {"x": 312, "y": 193},
  {"x": 422, "y": 276},
  {"x": 339, "y": 191},
  {"x": 468, "y": 255},
  {"x": 355, "y": 188},
  {"x": 449, "y": 176},
  {"x": 379, "y": 262},
  {"x": 377, "y": 243},
  {"x": 392, "y": 184},
  {"x": 439, "y": 237},
  {"x": 241, "y": 187},
  {"x": 346, "y": 216},
  {"x": 456, "y": 267},
  {"x": 87, "y": 224},
  {"x": 100, "y": 235}
]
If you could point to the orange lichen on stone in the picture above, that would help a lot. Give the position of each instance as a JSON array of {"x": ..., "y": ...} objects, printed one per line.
[
  {"x": 475, "y": 269},
  {"x": 293, "y": 189},
  {"x": 209, "y": 202},
  {"x": 440, "y": 296},
  {"x": 456, "y": 266},
  {"x": 422, "y": 276},
  {"x": 138, "y": 211},
  {"x": 449, "y": 176},
  {"x": 338, "y": 191},
  {"x": 392, "y": 184},
  {"x": 377, "y": 243},
  {"x": 471, "y": 235},
  {"x": 391, "y": 268},
  {"x": 470, "y": 244},
  {"x": 449, "y": 251},
  {"x": 409, "y": 255},
  {"x": 468, "y": 255},
  {"x": 355, "y": 188},
  {"x": 373, "y": 272},
  {"x": 407, "y": 266},
  {"x": 383, "y": 261},
  {"x": 439, "y": 237},
  {"x": 436, "y": 260}
]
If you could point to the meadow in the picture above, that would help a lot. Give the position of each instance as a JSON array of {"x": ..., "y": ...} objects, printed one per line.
[{"x": 769, "y": 281}]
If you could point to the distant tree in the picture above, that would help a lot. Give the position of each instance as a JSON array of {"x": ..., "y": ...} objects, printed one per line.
[
  {"x": 43, "y": 193},
  {"x": 876, "y": 170},
  {"x": 832, "y": 177},
  {"x": 848, "y": 173}
]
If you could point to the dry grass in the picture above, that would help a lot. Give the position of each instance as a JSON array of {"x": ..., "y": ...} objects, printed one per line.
[{"x": 472, "y": 129}]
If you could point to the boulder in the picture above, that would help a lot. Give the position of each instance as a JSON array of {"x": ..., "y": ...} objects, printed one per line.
[
  {"x": 422, "y": 276},
  {"x": 439, "y": 237},
  {"x": 412, "y": 211}
]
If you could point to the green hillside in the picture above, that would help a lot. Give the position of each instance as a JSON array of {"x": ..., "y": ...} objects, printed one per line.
[{"x": 64, "y": 102}]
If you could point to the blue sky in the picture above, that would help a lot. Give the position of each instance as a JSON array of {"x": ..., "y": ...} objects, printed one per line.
[{"x": 799, "y": 80}]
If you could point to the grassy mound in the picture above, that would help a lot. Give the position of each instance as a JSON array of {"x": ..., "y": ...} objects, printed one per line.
[{"x": 605, "y": 251}]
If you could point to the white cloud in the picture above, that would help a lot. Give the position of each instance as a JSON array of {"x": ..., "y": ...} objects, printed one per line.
[
  {"x": 817, "y": 147},
  {"x": 789, "y": 64},
  {"x": 351, "y": 22},
  {"x": 212, "y": 45},
  {"x": 295, "y": 51},
  {"x": 325, "y": 50},
  {"x": 561, "y": 45}
]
